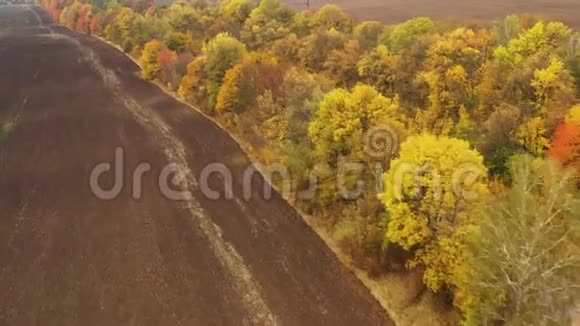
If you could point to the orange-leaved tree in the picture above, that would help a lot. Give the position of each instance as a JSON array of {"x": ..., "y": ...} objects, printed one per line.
[
  {"x": 566, "y": 141},
  {"x": 149, "y": 59},
  {"x": 566, "y": 145}
]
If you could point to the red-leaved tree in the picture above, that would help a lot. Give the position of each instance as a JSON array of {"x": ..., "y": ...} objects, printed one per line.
[
  {"x": 166, "y": 59},
  {"x": 566, "y": 145},
  {"x": 96, "y": 25}
]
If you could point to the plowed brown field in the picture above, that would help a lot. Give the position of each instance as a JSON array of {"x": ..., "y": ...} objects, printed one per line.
[
  {"x": 67, "y": 101},
  {"x": 477, "y": 11}
]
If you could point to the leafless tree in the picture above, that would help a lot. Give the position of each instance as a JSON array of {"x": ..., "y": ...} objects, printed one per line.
[{"x": 527, "y": 255}]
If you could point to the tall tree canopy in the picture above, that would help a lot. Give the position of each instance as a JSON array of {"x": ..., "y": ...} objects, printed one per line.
[
  {"x": 344, "y": 116},
  {"x": 221, "y": 53},
  {"x": 431, "y": 194}
]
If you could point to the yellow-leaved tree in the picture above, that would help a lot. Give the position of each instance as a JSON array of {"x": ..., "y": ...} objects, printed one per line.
[
  {"x": 122, "y": 28},
  {"x": 148, "y": 59},
  {"x": 247, "y": 80},
  {"x": 194, "y": 85},
  {"x": 221, "y": 53},
  {"x": 343, "y": 117},
  {"x": 338, "y": 130},
  {"x": 431, "y": 192},
  {"x": 380, "y": 68},
  {"x": 453, "y": 70},
  {"x": 573, "y": 115},
  {"x": 532, "y": 135},
  {"x": 553, "y": 87}
]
